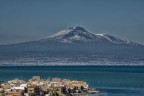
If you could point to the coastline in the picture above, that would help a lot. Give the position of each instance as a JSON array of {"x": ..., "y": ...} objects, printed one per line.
[
  {"x": 45, "y": 87},
  {"x": 109, "y": 79}
]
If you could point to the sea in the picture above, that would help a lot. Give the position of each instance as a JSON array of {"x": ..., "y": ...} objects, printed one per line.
[{"x": 110, "y": 80}]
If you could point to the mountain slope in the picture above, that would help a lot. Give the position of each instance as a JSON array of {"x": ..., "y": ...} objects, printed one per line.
[{"x": 72, "y": 46}]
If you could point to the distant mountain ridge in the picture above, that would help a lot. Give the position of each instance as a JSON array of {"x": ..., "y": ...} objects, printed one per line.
[
  {"x": 72, "y": 34},
  {"x": 74, "y": 46}
]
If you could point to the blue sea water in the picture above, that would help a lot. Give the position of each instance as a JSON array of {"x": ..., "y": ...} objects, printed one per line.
[{"x": 111, "y": 80}]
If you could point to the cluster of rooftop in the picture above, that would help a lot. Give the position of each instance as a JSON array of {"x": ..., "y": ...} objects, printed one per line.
[{"x": 40, "y": 87}]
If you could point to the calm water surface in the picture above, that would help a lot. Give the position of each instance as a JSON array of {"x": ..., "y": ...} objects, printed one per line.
[{"x": 111, "y": 80}]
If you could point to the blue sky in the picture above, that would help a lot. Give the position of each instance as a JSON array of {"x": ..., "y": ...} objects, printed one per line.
[{"x": 26, "y": 20}]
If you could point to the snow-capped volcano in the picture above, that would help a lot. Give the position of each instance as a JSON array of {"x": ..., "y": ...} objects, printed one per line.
[
  {"x": 73, "y": 34},
  {"x": 74, "y": 45}
]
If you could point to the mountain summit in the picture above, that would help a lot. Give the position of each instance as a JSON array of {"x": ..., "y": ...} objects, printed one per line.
[
  {"x": 74, "y": 34},
  {"x": 74, "y": 45}
]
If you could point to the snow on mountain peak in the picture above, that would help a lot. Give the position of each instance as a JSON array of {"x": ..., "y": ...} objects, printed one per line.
[
  {"x": 100, "y": 34},
  {"x": 72, "y": 34},
  {"x": 105, "y": 36},
  {"x": 114, "y": 39},
  {"x": 63, "y": 32},
  {"x": 70, "y": 30}
]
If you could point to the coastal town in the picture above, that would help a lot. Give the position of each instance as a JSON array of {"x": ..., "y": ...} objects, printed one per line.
[{"x": 41, "y": 87}]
